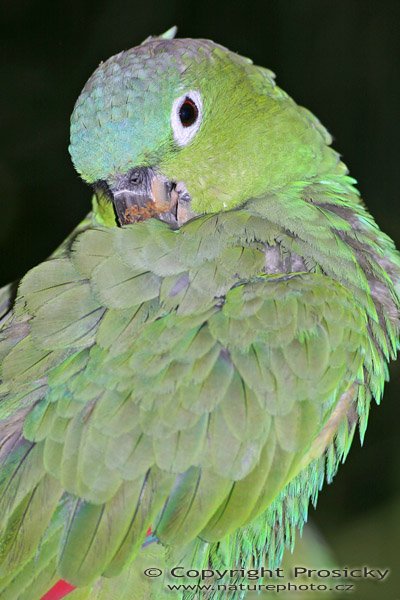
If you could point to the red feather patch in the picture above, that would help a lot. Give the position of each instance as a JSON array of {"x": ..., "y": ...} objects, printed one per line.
[{"x": 58, "y": 591}]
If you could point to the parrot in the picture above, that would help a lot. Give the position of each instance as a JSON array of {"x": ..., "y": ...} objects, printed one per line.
[{"x": 183, "y": 374}]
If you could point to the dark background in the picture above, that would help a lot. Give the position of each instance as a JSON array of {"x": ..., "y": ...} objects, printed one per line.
[{"x": 339, "y": 58}]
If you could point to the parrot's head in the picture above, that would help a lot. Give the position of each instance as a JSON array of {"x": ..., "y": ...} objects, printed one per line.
[{"x": 177, "y": 127}]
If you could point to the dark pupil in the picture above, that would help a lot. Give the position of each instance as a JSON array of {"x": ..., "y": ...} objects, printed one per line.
[{"x": 188, "y": 113}]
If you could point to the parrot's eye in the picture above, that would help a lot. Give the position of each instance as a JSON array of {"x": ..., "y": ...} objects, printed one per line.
[
  {"x": 186, "y": 117},
  {"x": 188, "y": 113}
]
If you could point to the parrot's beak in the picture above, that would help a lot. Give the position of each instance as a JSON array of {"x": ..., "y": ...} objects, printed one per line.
[{"x": 144, "y": 193}]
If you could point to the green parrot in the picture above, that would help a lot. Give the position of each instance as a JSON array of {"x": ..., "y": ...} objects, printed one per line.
[{"x": 182, "y": 375}]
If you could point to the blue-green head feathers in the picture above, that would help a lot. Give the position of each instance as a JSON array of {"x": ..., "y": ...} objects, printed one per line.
[
  {"x": 121, "y": 118},
  {"x": 248, "y": 135}
]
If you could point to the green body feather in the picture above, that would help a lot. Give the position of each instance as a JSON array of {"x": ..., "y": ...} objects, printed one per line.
[{"x": 204, "y": 381}]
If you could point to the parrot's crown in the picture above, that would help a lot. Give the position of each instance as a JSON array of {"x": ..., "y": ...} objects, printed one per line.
[{"x": 105, "y": 125}]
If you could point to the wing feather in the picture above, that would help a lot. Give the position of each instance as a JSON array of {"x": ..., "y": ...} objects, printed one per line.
[{"x": 164, "y": 377}]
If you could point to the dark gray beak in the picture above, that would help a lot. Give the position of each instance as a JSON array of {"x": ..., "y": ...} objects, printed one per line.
[{"x": 141, "y": 194}]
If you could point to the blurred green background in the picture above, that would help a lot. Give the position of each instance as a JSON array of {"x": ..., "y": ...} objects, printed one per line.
[{"x": 339, "y": 58}]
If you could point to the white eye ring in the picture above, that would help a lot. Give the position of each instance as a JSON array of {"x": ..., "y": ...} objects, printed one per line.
[{"x": 184, "y": 133}]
